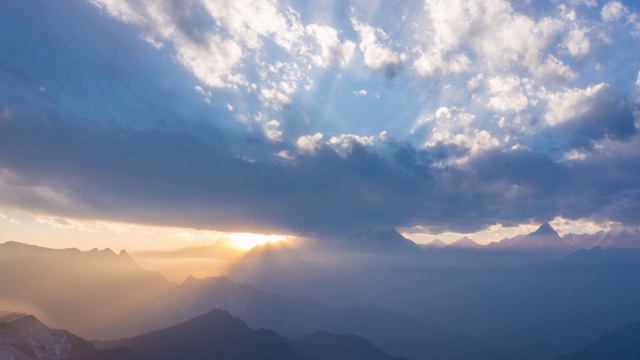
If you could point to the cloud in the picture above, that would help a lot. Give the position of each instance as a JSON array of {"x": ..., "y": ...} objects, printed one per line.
[
  {"x": 498, "y": 35},
  {"x": 5, "y": 113},
  {"x": 572, "y": 103},
  {"x": 576, "y": 43},
  {"x": 243, "y": 116},
  {"x": 343, "y": 144},
  {"x": 433, "y": 63},
  {"x": 455, "y": 126},
  {"x": 333, "y": 51},
  {"x": 208, "y": 55},
  {"x": 206, "y": 95},
  {"x": 309, "y": 143},
  {"x": 555, "y": 70},
  {"x": 507, "y": 93},
  {"x": 377, "y": 55},
  {"x": 613, "y": 10},
  {"x": 583, "y": 116}
]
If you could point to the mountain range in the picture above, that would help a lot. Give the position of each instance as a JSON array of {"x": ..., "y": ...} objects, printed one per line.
[
  {"x": 47, "y": 283},
  {"x": 574, "y": 297},
  {"x": 545, "y": 239},
  {"x": 217, "y": 334},
  {"x": 395, "y": 333}
]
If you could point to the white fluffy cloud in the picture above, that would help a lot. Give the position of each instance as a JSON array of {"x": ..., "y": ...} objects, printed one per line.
[
  {"x": 571, "y": 103},
  {"x": 434, "y": 63},
  {"x": 498, "y": 35},
  {"x": 453, "y": 125},
  {"x": 554, "y": 69},
  {"x": 613, "y": 10},
  {"x": 343, "y": 144},
  {"x": 377, "y": 54},
  {"x": 507, "y": 93},
  {"x": 309, "y": 143},
  {"x": 576, "y": 43},
  {"x": 265, "y": 21},
  {"x": 332, "y": 50},
  {"x": 501, "y": 61}
]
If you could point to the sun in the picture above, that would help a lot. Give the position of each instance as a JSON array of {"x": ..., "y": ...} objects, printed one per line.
[{"x": 247, "y": 241}]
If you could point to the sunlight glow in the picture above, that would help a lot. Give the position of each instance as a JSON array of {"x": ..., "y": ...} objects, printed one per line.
[{"x": 247, "y": 241}]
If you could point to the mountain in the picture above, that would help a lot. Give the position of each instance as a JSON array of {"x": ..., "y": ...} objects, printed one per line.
[
  {"x": 435, "y": 244},
  {"x": 214, "y": 335},
  {"x": 381, "y": 239},
  {"x": 294, "y": 317},
  {"x": 618, "y": 237},
  {"x": 464, "y": 243},
  {"x": 545, "y": 239},
  {"x": 67, "y": 286},
  {"x": 545, "y": 230},
  {"x": 23, "y": 337},
  {"x": 322, "y": 345},
  {"x": 621, "y": 344}
]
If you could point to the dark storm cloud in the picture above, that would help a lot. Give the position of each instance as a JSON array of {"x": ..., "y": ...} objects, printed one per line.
[
  {"x": 606, "y": 115},
  {"x": 178, "y": 178}
]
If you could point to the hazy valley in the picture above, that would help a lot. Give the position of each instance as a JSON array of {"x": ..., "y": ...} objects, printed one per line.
[{"x": 393, "y": 297}]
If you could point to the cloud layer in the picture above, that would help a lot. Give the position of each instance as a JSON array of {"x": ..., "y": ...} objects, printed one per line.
[{"x": 320, "y": 118}]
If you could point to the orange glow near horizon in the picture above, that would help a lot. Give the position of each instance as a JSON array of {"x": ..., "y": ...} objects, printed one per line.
[{"x": 247, "y": 241}]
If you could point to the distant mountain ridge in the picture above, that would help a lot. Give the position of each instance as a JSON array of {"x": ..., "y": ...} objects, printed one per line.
[
  {"x": 545, "y": 238},
  {"x": 394, "y": 333},
  {"x": 621, "y": 344},
  {"x": 464, "y": 243},
  {"x": 219, "y": 335},
  {"x": 384, "y": 239},
  {"x": 435, "y": 244},
  {"x": 214, "y": 335},
  {"x": 322, "y": 345},
  {"x": 68, "y": 285}
]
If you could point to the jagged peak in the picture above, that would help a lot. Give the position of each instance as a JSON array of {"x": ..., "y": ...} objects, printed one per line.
[
  {"x": 21, "y": 319},
  {"x": 546, "y": 230},
  {"x": 436, "y": 243},
  {"x": 212, "y": 279},
  {"x": 107, "y": 251},
  {"x": 464, "y": 242},
  {"x": 377, "y": 231},
  {"x": 124, "y": 253}
]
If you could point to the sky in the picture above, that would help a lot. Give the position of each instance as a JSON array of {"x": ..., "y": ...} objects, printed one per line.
[{"x": 316, "y": 118}]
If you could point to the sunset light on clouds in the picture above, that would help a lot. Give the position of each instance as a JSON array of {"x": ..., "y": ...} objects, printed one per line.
[{"x": 319, "y": 179}]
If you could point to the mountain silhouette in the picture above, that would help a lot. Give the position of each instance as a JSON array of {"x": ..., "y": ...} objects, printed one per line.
[
  {"x": 322, "y": 345},
  {"x": 68, "y": 285},
  {"x": 545, "y": 230},
  {"x": 621, "y": 344},
  {"x": 544, "y": 239},
  {"x": 436, "y": 244},
  {"x": 464, "y": 243},
  {"x": 381, "y": 239},
  {"x": 219, "y": 335},
  {"x": 214, "y": 335},
  {"x": 294, "y": 317}
]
